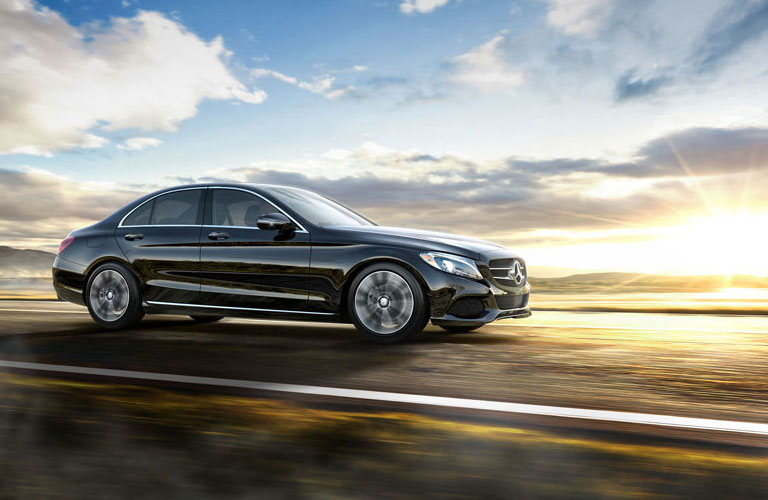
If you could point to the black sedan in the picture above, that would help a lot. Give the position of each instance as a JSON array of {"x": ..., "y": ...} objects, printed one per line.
[{"x": 215, "y": 250}]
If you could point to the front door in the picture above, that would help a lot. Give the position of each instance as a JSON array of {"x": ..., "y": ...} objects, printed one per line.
[
  {"x": 245, "y": 267},
  {"x": 161, "y": 239}
]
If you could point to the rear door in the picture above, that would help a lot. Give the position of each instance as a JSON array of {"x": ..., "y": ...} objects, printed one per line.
[
  {"x": 161, "y": 238},
  {"x": 243, "y": 266}
]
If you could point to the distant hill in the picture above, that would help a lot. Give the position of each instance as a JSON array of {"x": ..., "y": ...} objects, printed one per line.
[
  {"x": 633, "y": 283},
  {"x": 17, "y": 263}
]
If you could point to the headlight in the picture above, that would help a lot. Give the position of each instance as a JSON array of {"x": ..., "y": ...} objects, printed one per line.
[{"x": 453, "y": 264}]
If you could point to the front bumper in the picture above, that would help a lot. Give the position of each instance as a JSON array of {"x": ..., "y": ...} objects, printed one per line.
[
  {"x": 464, "y": 302},
  {"x": 488, "y": 312},
  {"x": 489, "y": 316}
]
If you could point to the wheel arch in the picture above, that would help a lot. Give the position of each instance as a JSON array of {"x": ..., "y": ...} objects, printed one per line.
[
  {"x": 108, "y": 259},
  {"x": 358, "y": 268}
]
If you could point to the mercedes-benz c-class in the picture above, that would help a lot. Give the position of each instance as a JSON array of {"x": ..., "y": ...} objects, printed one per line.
[{"x": 216, "y": 250}]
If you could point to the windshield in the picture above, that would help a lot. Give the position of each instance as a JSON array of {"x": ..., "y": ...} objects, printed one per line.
[{"x": 317, "y": 209}]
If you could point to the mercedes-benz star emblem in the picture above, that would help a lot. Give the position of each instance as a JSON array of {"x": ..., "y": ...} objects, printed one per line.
[{"x": 516, "y": 273}]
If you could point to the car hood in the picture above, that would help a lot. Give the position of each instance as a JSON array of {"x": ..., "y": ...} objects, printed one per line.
[{"x": 424, "y": 240}]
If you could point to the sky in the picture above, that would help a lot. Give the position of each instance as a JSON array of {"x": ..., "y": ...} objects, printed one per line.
[{"x": 589, "y": 135}]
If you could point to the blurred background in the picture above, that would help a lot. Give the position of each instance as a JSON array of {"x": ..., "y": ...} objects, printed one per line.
[{"x": 620, "y": 146}]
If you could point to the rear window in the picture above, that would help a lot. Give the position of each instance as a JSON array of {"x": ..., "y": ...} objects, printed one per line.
[
  {"x": 177, "y": 208},
  {"x": 140, "y": 216}
]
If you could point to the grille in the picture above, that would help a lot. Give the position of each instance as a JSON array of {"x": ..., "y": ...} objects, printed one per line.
[
  {"x": 511, "y": 301},
  {"x": 500, "y": 269},
  {"x": 468, "y": 307}
]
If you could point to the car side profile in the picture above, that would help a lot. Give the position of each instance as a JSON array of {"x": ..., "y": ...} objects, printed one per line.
[{"x": 216, "y": 250}]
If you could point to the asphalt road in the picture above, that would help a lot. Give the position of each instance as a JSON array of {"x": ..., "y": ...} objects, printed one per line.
[{"x": 192, "y": 411}]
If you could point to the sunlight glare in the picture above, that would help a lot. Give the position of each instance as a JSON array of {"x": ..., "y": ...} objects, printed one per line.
[{"x": 724, "y": 244}]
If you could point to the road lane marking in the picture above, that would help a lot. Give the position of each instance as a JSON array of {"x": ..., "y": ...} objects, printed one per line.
[{"x": 418, "y": 399}]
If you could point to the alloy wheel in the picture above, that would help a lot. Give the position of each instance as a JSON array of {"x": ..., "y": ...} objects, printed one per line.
[
  {"x": 109, "y": 295},
  {"x": 384, "y": 302}
]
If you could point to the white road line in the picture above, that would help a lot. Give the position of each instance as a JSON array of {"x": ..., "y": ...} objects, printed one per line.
[{"x": 418, "y": 399}]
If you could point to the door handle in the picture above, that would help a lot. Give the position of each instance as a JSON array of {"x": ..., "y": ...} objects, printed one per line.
[
  {"x": 218, "y": 235},
  {"x": 134, "y": 236}
]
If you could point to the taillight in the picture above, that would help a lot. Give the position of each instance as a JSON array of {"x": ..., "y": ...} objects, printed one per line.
[{"x": 65, "y": 243}]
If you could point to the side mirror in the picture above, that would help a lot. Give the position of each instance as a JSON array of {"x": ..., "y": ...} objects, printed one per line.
[{"x": 274, "y": 221}]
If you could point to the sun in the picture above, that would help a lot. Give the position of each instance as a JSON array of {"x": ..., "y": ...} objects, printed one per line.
[{"x": 721, "y": 244}]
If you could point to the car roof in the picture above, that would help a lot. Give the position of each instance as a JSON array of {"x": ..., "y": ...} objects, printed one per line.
[{"x": 248, "y": 185}]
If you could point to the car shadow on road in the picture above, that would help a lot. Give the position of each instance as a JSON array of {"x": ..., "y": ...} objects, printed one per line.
[{"x": 278, "y": 351}]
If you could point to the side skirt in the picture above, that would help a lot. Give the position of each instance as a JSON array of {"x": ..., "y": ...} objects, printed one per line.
[{"x": 157, "y": 307}]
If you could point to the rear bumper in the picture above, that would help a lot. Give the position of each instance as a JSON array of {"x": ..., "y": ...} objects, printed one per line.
[{"x": 69, "y": 280}]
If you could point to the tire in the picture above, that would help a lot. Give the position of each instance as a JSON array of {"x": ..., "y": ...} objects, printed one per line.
[
  {"x": 379, "y": 287},
  {"x": 113, "y": 297},
  {"x": 203, "y": 318},
  {"x": 460, "y": 328}
]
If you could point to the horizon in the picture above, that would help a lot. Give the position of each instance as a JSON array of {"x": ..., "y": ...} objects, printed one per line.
[{"x": 546, "y": 126}]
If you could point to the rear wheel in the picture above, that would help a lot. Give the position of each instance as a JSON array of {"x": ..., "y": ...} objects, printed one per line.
[
  {"x": 387, "y": 304},
  {"x": 113, "y": 297},
  {"x": 202, "y": 318},
  {"x": 460, "y": 328}
]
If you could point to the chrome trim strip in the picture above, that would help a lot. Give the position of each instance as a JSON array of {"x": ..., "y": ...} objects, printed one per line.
[
  {"x": 246, "y": 227},
  {"x": 300, "y": 230},
  {"x": 233, "y": 227},
  {"x": 159, "y": 225},
  {"x": 162, "y": 225},
  {"x": 203, "y": 306}
]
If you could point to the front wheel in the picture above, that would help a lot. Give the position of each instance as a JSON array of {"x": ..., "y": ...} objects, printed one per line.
[
  {"x": 113, "y": 297},
  {"x": 387, "y": 304}
]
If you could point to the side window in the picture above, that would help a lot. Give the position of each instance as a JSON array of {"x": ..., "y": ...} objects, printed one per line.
[
  {"x": 238, "y": 208},
  {"x": 180, "y": 207},
  {"x": 140, "y": 216}
]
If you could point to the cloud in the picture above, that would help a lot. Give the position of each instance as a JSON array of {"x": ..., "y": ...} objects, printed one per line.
[
  {"x": 624, "y": 43},
  {"x": 62, "y": 86},
  {"x": 421, "y": 6},
  {"x": 629, "y": 87},
  {"x": 578, "y": 17},
  {"x": 39, "y": 208},
  {"x": 357, "y": 68},
  {"x": 511, "y": 200},
  {"x": 664, "y": 180},
  {"x": 323, "y": 85},
  {"x": 734, "y": 27},
  {"x": 705, "y": 152},
  {"x": 264, "y": 73},
  {"x": 485, "y": 68},
  {"x": 138, "y": 143}
]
